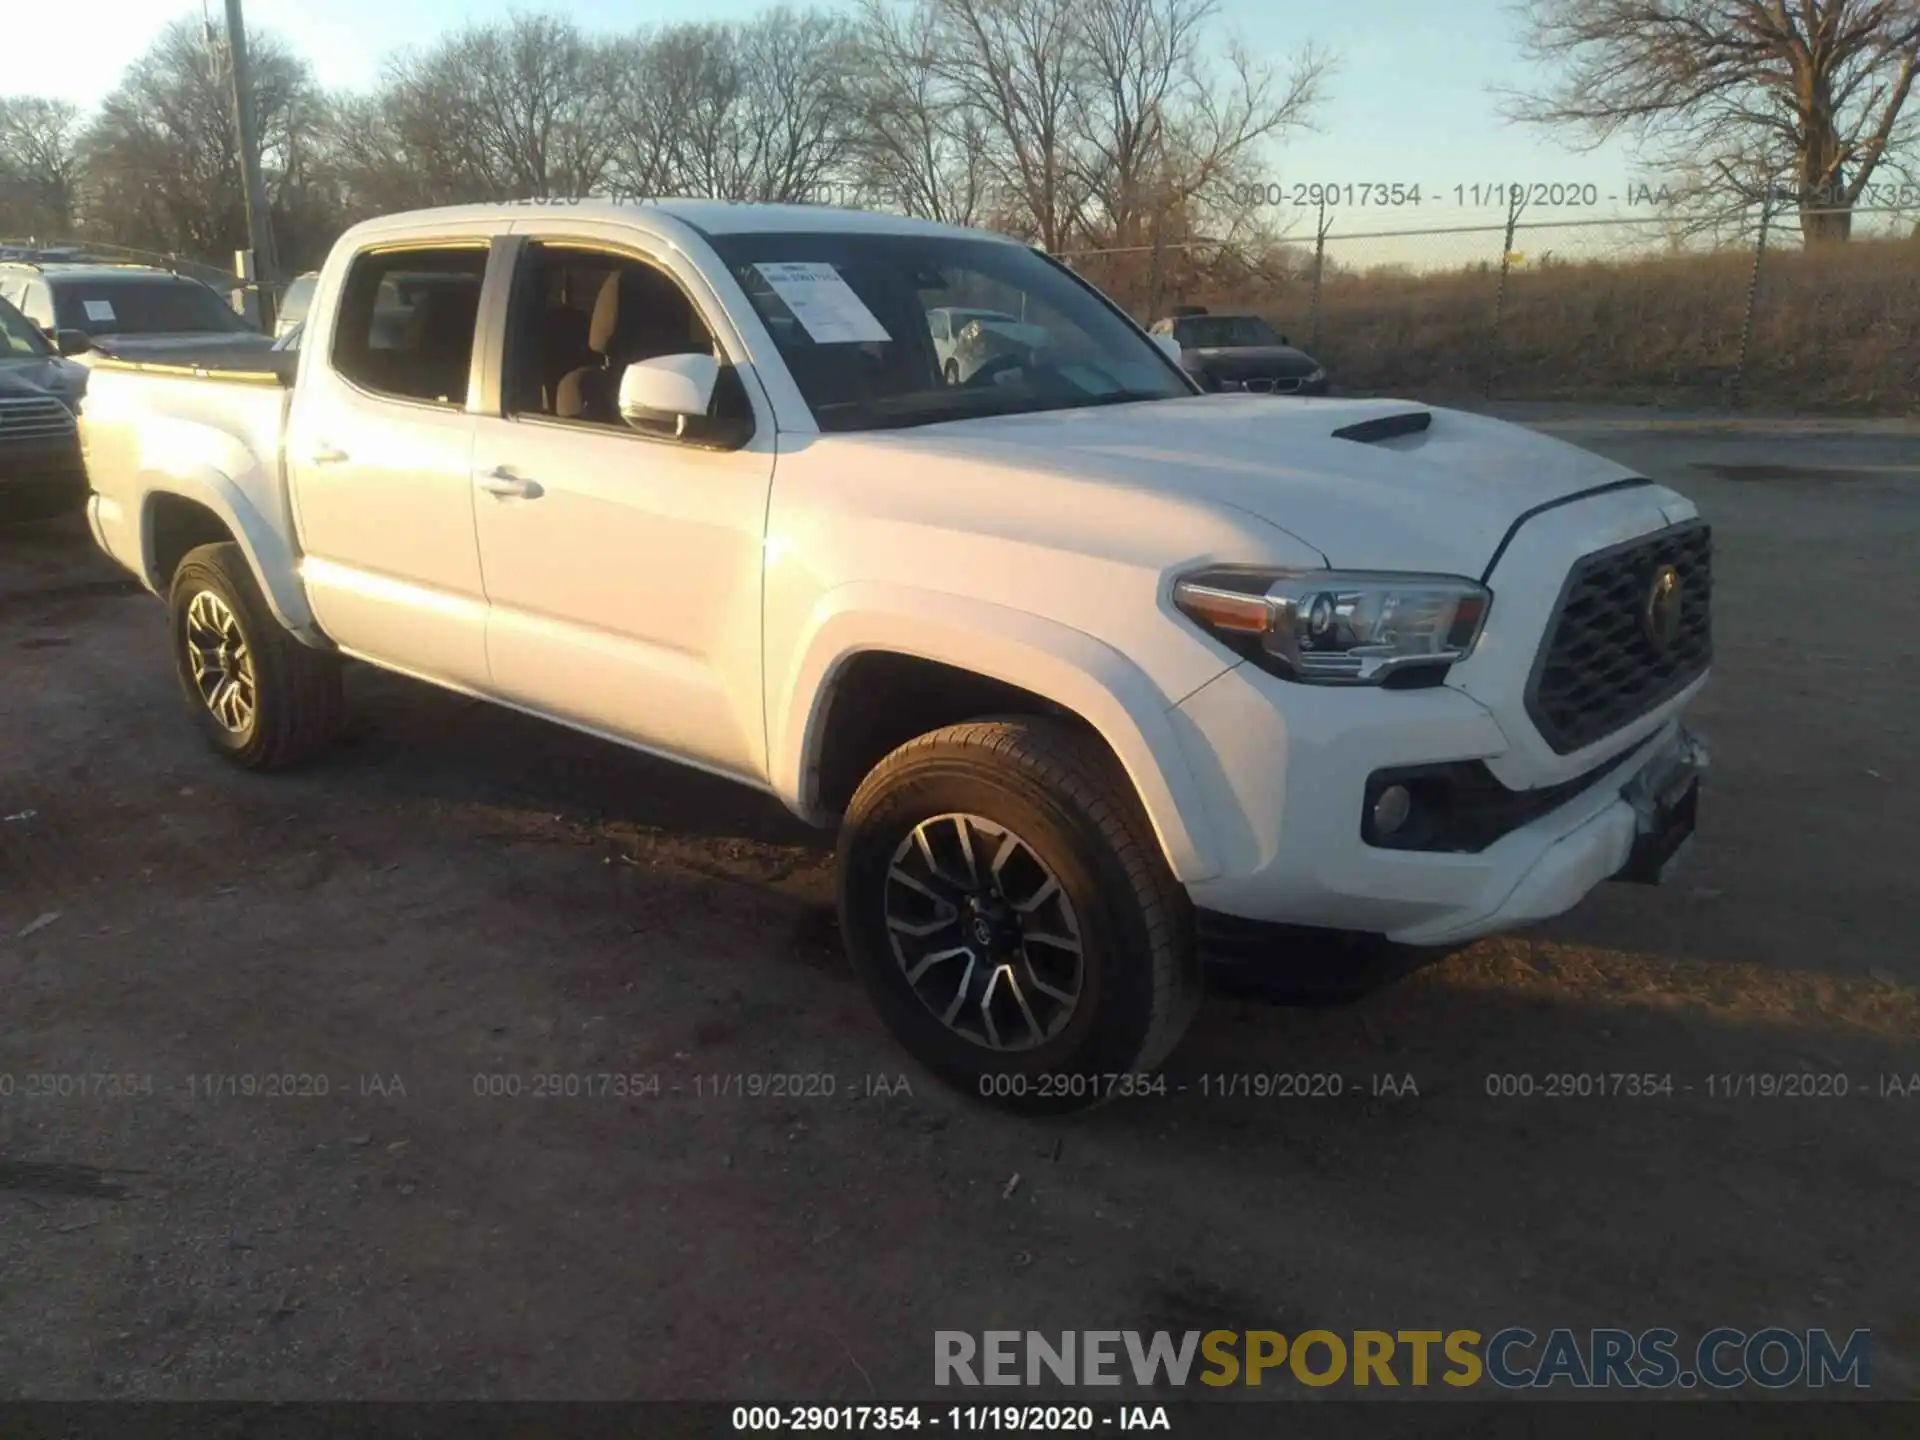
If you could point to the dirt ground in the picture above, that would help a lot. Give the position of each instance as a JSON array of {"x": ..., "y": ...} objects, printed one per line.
[{"x": 462, "y": 895}]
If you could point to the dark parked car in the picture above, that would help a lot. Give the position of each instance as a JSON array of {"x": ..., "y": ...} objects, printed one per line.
[
  {"x": 40, "y": 469},
  {"x": 131, "y": 310},
  {"x": 1241, "y": 352}
]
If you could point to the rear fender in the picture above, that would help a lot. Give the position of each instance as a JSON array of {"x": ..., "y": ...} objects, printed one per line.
[{"x": 174, "y": 461}]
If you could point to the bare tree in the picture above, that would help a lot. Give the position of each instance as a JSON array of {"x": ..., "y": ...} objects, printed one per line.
[
  {"x": 1755, "y": 90},
  {"x": 652, "y": 86},
  {"x": 507, "y": 111},
  {"x": 1024, "y": 63},
  {"x": 923, "y": 145},
  {"x": 161, "y": 159},
  {"x": 1167, "y": 130},
  {"x": 39, "y": 165},
  {"x": 1114, "y": 125},
  {"x": 799, "y": 113},
  {"x": 753, "y": 111}
]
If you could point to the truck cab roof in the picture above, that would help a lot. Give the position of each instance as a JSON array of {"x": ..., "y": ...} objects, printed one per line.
[{"x": 707, "y": 217}]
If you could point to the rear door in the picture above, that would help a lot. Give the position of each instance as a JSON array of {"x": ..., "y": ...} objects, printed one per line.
[
  {"x": 379, "y": 454},
  {"x": 623, "y": 568}
]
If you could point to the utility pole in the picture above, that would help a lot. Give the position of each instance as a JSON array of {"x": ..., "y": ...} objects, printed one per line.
[{"x": 259, "y": 222}]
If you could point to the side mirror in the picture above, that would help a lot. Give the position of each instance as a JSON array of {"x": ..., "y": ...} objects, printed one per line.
[
  {"x": 72, "y": 342},
  {"x": 1167, "y": 343},
  {"x": 1285, "y": 341},
  {"x": 675, "y": 395},
  {"x": 668, "y": 388}
]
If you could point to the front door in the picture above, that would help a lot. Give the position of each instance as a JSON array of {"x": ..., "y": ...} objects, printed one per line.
[{"x": 622, "y": 568}]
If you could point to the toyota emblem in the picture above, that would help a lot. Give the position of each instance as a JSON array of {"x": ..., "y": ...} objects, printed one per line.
[{"x": 1661, "y": 619}]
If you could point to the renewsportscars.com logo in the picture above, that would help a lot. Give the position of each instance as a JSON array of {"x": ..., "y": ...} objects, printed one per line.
[{"x": 1514, "y": 1358}]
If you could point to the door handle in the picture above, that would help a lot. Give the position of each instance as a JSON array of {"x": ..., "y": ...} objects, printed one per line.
[
  {"x": 327, "y": 455},
  {"x": 500, "y": 481}
]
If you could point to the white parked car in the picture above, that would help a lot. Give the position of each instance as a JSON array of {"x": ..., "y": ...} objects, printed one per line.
[
  {"x": 965, "y": 340},
  {"x": 1099, "y": 677}
]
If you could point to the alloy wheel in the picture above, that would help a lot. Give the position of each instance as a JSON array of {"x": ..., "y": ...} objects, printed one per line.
[
  {"x": 220, "y": 662},
  {"x": 983, "y": 932}
]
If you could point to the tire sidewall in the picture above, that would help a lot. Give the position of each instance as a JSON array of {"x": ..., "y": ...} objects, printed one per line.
[{"x": 1105, "y": 1034}]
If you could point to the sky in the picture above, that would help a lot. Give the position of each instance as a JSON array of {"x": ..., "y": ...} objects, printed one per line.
[{"x": 1411, "y": 103}]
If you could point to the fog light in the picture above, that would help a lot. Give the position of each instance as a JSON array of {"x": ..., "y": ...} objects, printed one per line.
[{"x": 1390, "y": 809}]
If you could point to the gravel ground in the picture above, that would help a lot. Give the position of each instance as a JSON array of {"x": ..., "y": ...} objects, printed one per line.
[{"x": 463, "y": 900}]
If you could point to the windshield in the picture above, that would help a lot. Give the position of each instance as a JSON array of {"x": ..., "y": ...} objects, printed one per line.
[
  {"x": 149, "y": 305},
  {"x": 1208, "y": 332},
  {"x": 19, "y": 340},
  {"x": 851, "y": 315}
]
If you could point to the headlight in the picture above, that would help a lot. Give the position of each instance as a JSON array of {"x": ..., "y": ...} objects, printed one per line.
[
  {"x": 1338, "y": 627},
  {"x": 1317, "y": 374}
]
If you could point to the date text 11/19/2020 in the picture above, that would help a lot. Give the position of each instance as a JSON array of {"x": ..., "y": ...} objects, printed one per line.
[{"x": 1477, "y": 195}]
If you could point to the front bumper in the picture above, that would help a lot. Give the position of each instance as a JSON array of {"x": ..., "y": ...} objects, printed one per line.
[
  {"x": 1285, "y": 774},
  {"x": 43, "y": 474}
]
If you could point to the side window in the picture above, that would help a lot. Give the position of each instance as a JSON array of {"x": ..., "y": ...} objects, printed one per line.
[
  {"x": 580, "y": 317},
  {"x": 37, "y": 304},
  {"x": 406, "y": 322}
]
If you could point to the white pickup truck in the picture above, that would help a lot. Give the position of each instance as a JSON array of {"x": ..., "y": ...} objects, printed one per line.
[{"x": 1100, "y": 677}]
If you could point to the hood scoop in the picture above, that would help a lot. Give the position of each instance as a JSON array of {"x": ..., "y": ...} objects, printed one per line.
[{"x": 1385, "y": 427}]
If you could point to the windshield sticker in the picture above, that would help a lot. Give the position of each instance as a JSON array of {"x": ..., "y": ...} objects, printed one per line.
[
  {"x": 823, "y": 303},
  {"x": 100, "y": 310}
]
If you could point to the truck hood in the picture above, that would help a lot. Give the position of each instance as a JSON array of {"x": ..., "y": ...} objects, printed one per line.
[
  {"x": 1387, "y": 495},
  {"x": 42, "y": 375}
]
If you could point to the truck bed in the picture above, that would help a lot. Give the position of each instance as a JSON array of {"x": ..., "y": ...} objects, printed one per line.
[{"x": 190, "y": 432}]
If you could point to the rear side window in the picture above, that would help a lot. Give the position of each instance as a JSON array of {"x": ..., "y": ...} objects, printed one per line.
[
  {"x": 37, "y": 304},
  {"x": 293, "y": 305},
  {"x": 18, "y": 339},
  {"x": 406, "y": 322}
]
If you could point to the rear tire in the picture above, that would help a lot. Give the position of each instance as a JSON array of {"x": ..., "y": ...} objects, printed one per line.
[
  {"x": 260, "y": 697},
  {"x": 1049, "y": 802}
]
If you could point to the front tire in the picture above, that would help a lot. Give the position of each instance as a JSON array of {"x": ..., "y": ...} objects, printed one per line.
[
  {"x": 1007, "y": 907},
  {"x": 260, "y": 697}
]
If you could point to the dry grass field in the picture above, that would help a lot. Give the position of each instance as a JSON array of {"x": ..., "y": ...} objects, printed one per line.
[{"x": 1836, "y": 332}]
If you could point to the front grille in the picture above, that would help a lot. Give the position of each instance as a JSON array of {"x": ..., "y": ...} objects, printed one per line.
[
  {"x": 1604, "y": 663},
  {"x": 33, "y": 417}
]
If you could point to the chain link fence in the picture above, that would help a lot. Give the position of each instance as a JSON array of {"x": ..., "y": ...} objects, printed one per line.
[{"x": 1718, "y": 310}]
